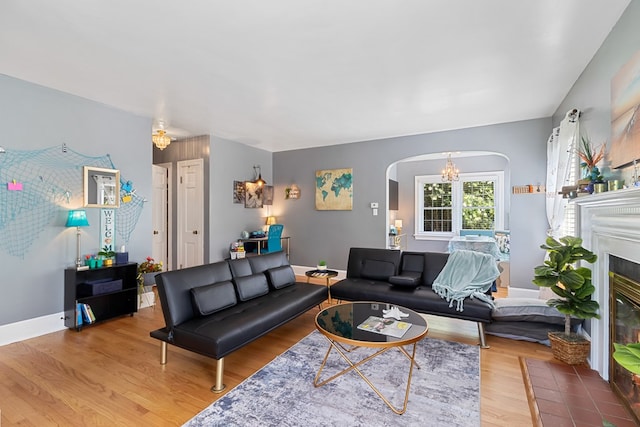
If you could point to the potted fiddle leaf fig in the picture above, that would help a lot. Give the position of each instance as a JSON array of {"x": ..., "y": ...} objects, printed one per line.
[{"x": 572, "y": 284}]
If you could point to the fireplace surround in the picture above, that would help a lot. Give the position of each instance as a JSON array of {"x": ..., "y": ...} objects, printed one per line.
[{"x": 609, "y": 224}]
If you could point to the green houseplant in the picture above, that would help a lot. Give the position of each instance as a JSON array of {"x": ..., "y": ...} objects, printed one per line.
[
  {"x": 573, "y": 285},
  {"x": 108, "y": 254}
]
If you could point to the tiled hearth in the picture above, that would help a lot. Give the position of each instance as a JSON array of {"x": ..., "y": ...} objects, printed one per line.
[{"x": 562, "y": 395}]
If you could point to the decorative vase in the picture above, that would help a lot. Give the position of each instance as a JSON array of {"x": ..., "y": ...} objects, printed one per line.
[
  {"x": 571, "y": 352},
  {"x": 149, "y": 279}
]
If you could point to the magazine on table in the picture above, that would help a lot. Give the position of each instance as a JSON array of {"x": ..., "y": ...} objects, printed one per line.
[{"x": 389, "y": 327}]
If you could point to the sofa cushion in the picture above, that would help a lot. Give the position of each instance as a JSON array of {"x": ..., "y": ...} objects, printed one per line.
[
  {"x": 253, "y": 286},
  {"x": 528, "y": 310},
  {"x": 408, "y": 279},
  {"x": 377, "y": 270},
  {"x": 240, "y": 267},
  {"x": 211, "y": 298},
  {"x": 281, "y": 277}
]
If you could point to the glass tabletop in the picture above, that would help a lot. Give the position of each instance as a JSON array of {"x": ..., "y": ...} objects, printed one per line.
[{"x": 363, "y": 324}]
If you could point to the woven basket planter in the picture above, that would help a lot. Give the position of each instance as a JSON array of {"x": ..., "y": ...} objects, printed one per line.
[{"x": 570, "y": 352}]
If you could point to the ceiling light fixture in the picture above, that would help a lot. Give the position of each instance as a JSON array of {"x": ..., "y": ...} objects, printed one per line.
[
  {"x": 450, "y": 172},
  {"x": 161, "y": 139}
]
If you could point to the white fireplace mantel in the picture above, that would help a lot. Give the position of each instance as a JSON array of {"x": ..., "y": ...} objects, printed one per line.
[{"x": 609, "y": 224}]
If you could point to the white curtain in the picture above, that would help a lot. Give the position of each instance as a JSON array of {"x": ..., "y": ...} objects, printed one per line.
[{"x": 562, "y": 142}]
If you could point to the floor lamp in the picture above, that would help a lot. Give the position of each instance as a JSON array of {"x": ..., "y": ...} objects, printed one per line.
[{"x": 77, "y": 218}]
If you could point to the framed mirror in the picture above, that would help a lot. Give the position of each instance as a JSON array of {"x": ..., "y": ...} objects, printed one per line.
[{"x": 101, "y": 187}]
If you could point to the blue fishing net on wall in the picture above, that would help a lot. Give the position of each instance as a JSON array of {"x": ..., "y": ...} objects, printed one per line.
[{"x": 51, "y": 178}]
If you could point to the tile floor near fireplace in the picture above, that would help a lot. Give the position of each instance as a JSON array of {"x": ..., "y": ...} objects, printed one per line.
[{"x": 563, "y": 395}]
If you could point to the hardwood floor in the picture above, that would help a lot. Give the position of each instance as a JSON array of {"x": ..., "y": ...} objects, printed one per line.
[{"x": 110, "y": 374}]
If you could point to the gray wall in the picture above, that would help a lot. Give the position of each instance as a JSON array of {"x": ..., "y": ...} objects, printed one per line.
[
  {"x": 328, "y": 235},
  {"x": 33, "y": 118},
  {"x": 232, "y": 161},
  {"x": 592, "y": 91}
]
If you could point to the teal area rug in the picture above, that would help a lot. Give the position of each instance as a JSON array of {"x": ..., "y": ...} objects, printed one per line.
[{"x": 444, "y": 392}]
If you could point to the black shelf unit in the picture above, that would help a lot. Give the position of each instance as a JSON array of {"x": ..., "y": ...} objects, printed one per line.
[{"x": 105, "y": 306}]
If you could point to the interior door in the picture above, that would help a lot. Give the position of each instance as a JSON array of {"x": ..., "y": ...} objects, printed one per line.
[
  {"x": 160, "y": 215},
  {"x": 190, "y": 217}
]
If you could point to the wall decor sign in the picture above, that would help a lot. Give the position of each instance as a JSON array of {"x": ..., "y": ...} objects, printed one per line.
[
  {"x": 238, "y": 191},
  {"x": 625, "y": 114},
  {"x": 107, "y": 229},
  {"x": 253, "y": 195},
  {"x": 334, "y": 190}
]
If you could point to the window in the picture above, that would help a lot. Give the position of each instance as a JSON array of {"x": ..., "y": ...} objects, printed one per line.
[{"x": 473, "y": 202}]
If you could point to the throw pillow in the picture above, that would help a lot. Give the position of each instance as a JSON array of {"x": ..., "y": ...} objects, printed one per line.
[
  {"x": 377, "y": 270},
  {"x": 211, "y": 298},
  {"x": 408, "y": 279},
  {"x": 281, "y": 277},
  {"x": 251, "y": 286}
]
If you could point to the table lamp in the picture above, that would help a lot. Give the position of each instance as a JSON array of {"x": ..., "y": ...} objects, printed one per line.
[
  {"x": 398, "y": 224},
  {"x": 77, "y": 218},
  {"x": 271, "y": 220}
]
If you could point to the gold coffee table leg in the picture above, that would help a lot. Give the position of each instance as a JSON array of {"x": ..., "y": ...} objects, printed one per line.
[{"x": 354, "y": 367}]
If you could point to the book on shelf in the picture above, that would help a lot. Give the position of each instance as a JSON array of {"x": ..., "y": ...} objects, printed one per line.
[
  {"x": 78, "y": 314},
  {"x": 87, "y": 314},
  {"x": 390, "y": 327}
]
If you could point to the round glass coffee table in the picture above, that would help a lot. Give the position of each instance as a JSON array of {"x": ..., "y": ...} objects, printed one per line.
[{"x": 361, "y": 324}]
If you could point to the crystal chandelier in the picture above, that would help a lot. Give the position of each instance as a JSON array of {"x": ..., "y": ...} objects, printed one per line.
[
  {"x": 161, "y": 139},
  {"x": 450, "y": 172}
]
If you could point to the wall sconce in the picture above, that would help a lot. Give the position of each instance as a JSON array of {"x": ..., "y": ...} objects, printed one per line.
[
  {"x": 77, "y": 218},
  {"x": 257, "y": 173},
  {"x": 450, "y": 172}
]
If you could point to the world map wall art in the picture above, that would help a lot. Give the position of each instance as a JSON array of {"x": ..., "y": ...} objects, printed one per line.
[{"x": 334, "y": 190}]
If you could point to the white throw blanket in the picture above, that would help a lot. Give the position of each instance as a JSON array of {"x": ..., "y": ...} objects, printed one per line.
[{"x": 466, "y": 274}]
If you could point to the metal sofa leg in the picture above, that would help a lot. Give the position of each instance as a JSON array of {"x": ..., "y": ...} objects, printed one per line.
[
  {"x": 163, "y": 353},
  {"x": 219, "y": 387},
  {"x": 481, "y": 334}
]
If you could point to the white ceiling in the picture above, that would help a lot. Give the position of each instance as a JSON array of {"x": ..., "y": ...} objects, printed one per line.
[{"x": 286, "y": 74}]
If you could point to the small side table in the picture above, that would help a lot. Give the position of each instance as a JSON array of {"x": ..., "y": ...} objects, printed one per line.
[{"x": 328, "y": 274}]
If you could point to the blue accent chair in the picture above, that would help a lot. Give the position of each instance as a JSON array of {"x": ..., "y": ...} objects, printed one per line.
[{"x": 274, "y": 244}]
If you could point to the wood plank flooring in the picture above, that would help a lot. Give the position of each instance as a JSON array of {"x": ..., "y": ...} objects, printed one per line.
[{"x": 109, "y": 374}]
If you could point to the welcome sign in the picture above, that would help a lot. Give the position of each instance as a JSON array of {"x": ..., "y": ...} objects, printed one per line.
[{"x": 107, "y": 229}]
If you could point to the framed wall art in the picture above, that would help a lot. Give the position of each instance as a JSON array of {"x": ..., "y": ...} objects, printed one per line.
[
  {"x": 101, "y": 187},
  {"x": 253, "y": 195},
  {"x": 238, "y": 191},
  {"x": 334, "y": 190},
  {"x": 625, "y": 114}
]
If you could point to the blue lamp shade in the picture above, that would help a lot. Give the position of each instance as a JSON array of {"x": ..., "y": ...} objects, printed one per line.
[{"x": 77, "y": 218}]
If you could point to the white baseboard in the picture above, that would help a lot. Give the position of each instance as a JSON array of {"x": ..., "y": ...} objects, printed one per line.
[{"x": 31, "y": 328}]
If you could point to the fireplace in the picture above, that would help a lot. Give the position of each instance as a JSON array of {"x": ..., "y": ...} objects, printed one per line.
[
  {"x": 624, "y": 323},
  {"x": 609, "y": 224}
]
